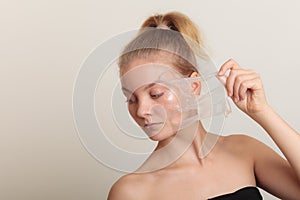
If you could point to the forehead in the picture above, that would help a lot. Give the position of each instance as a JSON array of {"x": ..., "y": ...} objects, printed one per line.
[{"x": 147, "y": 74}]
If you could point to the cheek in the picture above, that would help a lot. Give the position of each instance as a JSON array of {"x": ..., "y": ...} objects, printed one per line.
[
  {"x": 171, "y": 102},
  {"x": 172, "y": 108}
]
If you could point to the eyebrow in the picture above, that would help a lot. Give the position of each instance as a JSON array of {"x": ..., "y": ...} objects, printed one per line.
[{"x": 147, "y": 87}]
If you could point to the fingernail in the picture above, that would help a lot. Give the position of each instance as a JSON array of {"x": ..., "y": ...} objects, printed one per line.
[{"x": 222, "y": 79}]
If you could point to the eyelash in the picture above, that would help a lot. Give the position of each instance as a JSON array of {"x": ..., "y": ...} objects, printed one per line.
[
  {"x": 129, "y": 101},
  {"x": 154, "y": 96}
]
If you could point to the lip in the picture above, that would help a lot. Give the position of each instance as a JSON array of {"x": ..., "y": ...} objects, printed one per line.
[
  {"x": 152, "y": 125},
  {"x": 153, "y": 128}
]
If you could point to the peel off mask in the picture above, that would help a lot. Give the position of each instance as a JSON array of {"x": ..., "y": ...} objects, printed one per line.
[
  {"x": 150, "y": 101},
  {"x": 192, "y": 107}
]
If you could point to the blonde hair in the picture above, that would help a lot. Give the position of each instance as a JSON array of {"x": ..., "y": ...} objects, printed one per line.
[
  {"x": 172, "y": 35},
  {"x": 175, "y": 21}
]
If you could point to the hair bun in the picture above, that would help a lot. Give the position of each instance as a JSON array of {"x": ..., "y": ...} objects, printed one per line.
[
  {"x": 163, "y": 26},
  {"x": 175, "y": 21}
]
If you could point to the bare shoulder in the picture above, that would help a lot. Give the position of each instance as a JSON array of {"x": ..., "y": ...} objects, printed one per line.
[
  {"x": 240, "y": 143},
  {"x": 127, "y": 187},
  {"x": 238, "y": 138}
]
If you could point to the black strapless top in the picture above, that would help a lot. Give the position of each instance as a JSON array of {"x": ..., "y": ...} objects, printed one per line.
[{"x": 246, "y": 193}]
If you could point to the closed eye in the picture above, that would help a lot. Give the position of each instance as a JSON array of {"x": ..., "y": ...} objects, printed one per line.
[
  {"x": 155, "y": 96},
  {"x": 131, "y": 99}
]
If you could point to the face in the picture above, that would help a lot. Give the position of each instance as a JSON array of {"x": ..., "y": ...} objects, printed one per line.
[{"x": 154, "y": 105}]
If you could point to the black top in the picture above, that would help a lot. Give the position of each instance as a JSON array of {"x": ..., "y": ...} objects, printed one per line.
[{"x": 246, "y": 193}]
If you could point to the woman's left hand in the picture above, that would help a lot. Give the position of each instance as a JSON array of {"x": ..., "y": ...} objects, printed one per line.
[{"x": 244, "y": 87}]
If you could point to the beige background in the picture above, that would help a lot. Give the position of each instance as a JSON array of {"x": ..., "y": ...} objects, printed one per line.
[{"x": 43, "y": 43}]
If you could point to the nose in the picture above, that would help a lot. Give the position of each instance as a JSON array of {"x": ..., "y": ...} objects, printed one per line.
[{"x": 144, "y": 109}]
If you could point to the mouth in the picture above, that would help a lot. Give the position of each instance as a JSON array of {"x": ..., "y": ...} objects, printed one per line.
[
  {"x": 152, "y": 125},
  {"x": 153, "y": 128}
]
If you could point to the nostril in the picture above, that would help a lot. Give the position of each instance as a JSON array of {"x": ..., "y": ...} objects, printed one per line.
[{"x": 143, "y": 109}]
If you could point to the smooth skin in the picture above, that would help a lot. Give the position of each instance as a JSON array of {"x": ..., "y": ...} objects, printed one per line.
[{"x": 235, "y": 162}]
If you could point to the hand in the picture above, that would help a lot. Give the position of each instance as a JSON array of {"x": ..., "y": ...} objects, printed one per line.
[{"x": 244, "y": 87}]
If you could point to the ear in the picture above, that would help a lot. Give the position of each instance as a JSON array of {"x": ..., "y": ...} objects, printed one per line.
[{"x": 196, "y": 86}]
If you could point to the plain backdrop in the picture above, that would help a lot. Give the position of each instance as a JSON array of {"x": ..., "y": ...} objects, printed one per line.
[{"x": 43, "y": 43}]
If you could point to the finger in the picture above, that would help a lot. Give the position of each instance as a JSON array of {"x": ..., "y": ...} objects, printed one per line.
[
  {"x": 239, "y": 80},
  {"x": 230, "y": 64},
  {"x": 250, "y": 84},
  {"x": 230, "y": 82},
  {"x": 223, "y": 79}
]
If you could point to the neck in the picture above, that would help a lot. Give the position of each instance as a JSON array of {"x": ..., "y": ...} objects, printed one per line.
[
  {"x": 191, "y": 148},
  {"x": 187, "y": 148}
]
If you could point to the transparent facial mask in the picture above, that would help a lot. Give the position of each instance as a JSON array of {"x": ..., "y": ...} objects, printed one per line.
[
  {"x": 174, "y": 89},
  {"x": 151, "y": 101},
  {"x": 210, "y": 102},
  {"x": 111, "y": 135}
]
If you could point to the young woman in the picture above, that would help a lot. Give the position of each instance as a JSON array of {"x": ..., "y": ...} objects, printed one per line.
[{"x": 237, "y": 164}]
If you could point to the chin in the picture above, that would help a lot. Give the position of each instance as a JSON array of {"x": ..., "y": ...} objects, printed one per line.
[
  {"x": 156, "y": 138},
  {"x": 162, "y": 135}
]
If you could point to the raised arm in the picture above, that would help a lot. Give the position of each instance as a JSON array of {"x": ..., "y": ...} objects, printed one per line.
[{"x": 246, "y": 89}]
